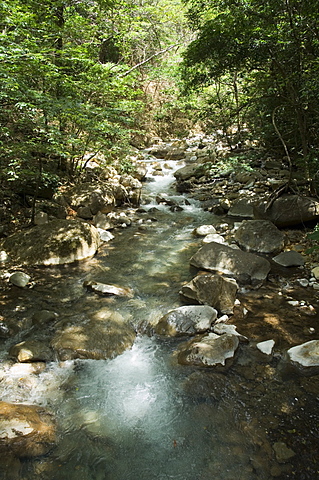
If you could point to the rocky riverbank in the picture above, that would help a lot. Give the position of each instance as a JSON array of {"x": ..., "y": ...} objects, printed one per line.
[{"x": 253, "y": 287}]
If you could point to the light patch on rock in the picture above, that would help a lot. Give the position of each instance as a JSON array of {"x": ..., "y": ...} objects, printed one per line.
[
  {"x": 222, "y": 328},
  {"x": 14, "y": 428}
]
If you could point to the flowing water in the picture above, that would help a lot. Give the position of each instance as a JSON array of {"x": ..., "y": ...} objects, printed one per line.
[{"x": 141, "y": 416}]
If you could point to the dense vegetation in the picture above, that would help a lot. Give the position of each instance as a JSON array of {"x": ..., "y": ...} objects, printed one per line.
[
  {"x": 90, "y": 77},
  {"x": 256, "y": 65},
  {"x": 73, "y": 81}
]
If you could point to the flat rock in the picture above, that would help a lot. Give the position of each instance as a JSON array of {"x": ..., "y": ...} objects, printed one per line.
[
  {"x": 106, "y": 335},
  {"x": 214, "y": 290},
  {"x": 266, "y": 347},
  {"x": 234, "y": 262},
  {"x": 58, "y": 242},
  {"x": 305, "y": 356},
  {"x": 209, "y": 351},
  {"x": 289, "y": 259},
  {"x": 259, "y": 236},
  {"x": 242, "y": 208},
  {"x": 186, "y": 320},
  {"x": 26, "y": 430}
]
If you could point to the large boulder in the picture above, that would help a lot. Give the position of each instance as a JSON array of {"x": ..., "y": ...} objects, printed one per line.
[
  {"x": 58, "y": 242},
  {"x": 210, "y": 289},
  {"x": 26, "y": 430},
  {"x": 243, "y": 266},
  {"x": 106, "y": 335},
  {"x": 186, "y": 320},
  {"x": 259, "y": 236},
  {"x": 289, "y": 210},
  {"x": 188, "y": 172},
  {"x": 97, "y": 198},
  {"x": 209, "y": 351}
]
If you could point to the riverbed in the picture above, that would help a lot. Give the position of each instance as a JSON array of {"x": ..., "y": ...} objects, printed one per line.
[{"x": 141, "y": 415}]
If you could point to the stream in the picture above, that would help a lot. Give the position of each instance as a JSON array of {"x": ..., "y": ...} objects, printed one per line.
[{"x": 141, "y": 416}]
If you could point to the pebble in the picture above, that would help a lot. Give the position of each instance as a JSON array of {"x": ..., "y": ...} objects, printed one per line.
[
  {"x": 20, "y": 279},
  {"x": 303, "y": 282}
]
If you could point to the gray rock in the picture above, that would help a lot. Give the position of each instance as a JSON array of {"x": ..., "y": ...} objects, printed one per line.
[
  {"x": 266, "y": 347},
  {"x": 241, "y": 265},
  {"x": 41, "y": 218},
  {"x": 289, "y": 210},
  {"x": 95, "y": 197},
  {"x": 31, "y": 351},
  {"x": 58, "y": 242},
  {"x": 260, "y": 236},
  {"x": 100, "y": 220},
  {"x": 209, "y": 351},
  {"x": 289, "y": 259},
  {"x": 43, "y": 317},
  {"x": 104, "y": 336},
  {"x": 213, "y": 237},
  {"x": 105, "y": 235},
  {"x": 186, "y": 320},
  {"x": 282, "y": 452},
  {"x": 19, "y": 279},
  {"x": 84, "y": 212},
  {"x": 189, "y": 171},
  {"x": 305, "y": 356},
  {"x": 26, "y": 430},
  {"x": 214, "y": 290},
  {"x": 242, "y": 208},
  {"x": 204, "y": 230}
]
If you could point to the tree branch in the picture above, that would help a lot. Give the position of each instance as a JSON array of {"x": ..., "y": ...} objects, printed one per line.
[{"x": 149, "y": 59}]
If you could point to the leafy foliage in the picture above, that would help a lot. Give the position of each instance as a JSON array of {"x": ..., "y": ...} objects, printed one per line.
[{"x": 272, "y": 47}]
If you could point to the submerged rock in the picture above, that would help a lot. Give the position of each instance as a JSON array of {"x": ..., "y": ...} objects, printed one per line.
[
  {"x": 209, "y": 351},
  {"x": 214, "y": 290},
  {"x": 58, "y": 242},
  {"x": 19, "y": 279},
  {"x": 259, "y": 236},
  {"x": 107, "y": 289},
  {"x": 186, "y": 320},
  {"x": 31, "y": 351},
  {"x": 104, "y": 336},
  {"x": 26, "y": 430},
  {"x": 241, "y": 265}
]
